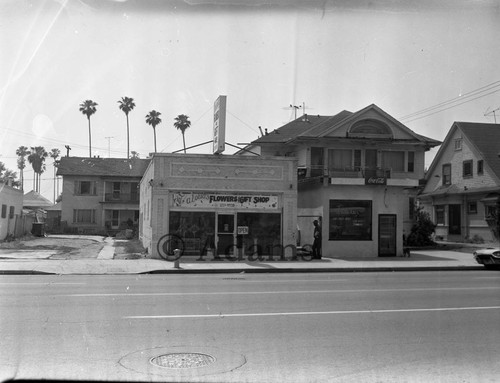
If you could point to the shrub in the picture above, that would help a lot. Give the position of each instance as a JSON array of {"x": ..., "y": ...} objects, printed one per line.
[{"x": 422, "y": 230}]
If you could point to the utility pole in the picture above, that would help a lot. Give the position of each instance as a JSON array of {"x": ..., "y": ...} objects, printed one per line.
[{"x": 109, "y": 145}]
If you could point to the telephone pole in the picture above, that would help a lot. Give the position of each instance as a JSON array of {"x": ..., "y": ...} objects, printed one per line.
[{"x": 109, "y": 145}]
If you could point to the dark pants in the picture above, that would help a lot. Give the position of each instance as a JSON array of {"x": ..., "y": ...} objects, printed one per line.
[{"x": 316, "y": 249}]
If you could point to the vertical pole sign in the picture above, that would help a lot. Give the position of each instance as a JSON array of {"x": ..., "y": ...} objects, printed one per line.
[{"x": 219, "y": 125}]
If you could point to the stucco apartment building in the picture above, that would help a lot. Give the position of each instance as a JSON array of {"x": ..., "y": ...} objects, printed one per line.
[
  {"x": 100, "y": 195},
  {"x": 462, "y": 192},
  {"x": 358, "y": 173}
]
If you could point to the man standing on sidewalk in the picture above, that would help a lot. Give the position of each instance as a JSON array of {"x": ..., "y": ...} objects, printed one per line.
[{"x": 316, "y": 248}]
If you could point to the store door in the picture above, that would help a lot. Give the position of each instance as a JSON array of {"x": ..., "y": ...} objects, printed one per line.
[
  {"x": 225, "y": 234},
  {"x": 454, "y": 219},
  {"x": 387, "y": 235}
]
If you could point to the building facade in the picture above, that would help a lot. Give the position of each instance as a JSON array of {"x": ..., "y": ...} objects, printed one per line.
[
  {"x": 100, "y": 195},
  {"x": 462, "y": 191},
  {"x": 358, "y": 174},
  {"x": 11, "y": 204},
  {"x": 231, "y": 207}
]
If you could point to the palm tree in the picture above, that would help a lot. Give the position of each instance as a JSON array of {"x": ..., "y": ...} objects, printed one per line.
[
  {"x": 54, "y": 153},
  {"x": 182, "y": 123},
  {"x": 88, "y": 108},
  {"x": 126, "y": 105},
  {"x": 153, "y": 119},
  {"x": 21, "y": 153},
  {"x": 36, "y": 158}
]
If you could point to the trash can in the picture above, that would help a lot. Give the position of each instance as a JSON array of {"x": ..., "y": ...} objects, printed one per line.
[{"x": 38, "y": 229}]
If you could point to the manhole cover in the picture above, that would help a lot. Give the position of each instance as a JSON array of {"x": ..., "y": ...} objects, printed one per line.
[{"x": 183, "y": 360}]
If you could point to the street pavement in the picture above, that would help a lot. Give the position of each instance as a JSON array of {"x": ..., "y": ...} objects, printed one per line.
[
  {"x": 375, "y": 327},
  {"x": 104, "y": 261}
]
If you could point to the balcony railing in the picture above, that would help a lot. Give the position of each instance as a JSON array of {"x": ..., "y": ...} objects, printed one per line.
[
  {"x": 346, "y": 172},
  {"x": 121, "y": 197}
]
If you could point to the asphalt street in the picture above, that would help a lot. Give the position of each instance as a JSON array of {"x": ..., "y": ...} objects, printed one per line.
[{"x": 336, "y": 327}]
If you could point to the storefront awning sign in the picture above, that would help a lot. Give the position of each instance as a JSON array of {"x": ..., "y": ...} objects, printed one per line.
[{"x": 223, "y": 200}]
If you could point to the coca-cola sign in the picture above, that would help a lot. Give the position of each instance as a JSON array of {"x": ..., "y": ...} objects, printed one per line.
[{"x": 375, "y": 181}]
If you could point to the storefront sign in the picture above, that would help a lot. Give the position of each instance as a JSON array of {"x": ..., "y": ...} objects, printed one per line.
[
  {"x": 220, "y": 200},
  {"x": 375, "y": 181}
]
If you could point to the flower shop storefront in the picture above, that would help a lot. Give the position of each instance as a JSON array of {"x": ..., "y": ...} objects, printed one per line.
[
  {"x": 226, "y": 224},
  {"x": 232, "y": 207}
]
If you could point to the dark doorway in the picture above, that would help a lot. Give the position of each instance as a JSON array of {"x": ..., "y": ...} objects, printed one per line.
[
  {"x": 387, "y": 235},
  {"x": 454, "y": 219}
]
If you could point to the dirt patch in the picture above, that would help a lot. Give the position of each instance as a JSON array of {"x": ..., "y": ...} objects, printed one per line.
[
  {"x": 129, "y": 249},
  {"x": 67, "y": 248}
]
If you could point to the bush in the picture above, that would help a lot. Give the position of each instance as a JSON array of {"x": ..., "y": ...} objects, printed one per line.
[{"x": 422, "y": 229}]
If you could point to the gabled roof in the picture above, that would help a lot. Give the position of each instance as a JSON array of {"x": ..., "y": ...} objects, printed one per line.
[
  {"x": 35, "y": 199},
  {"x": 317, "y": 127},
  {"x": 103, "y": 167},
  {"x": 484, "y": 138}
]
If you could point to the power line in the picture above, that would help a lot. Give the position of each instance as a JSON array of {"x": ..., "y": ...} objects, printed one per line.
[
  {"x": 490, "y": 88},
  {"x": 453, "y": 106}
]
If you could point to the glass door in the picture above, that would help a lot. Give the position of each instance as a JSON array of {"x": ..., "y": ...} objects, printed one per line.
[
  {"x": 387, "y": 235},
  {"x": 225, "y": 234}
]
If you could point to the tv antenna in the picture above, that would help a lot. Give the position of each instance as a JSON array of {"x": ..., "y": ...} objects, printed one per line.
[
  {"x": 492, "y": 112},
  {"x": 295, "y": 108}
]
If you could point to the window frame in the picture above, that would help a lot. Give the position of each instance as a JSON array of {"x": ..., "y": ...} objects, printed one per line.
[
  {"x": 92, "y": 188},
  {"x": 480, "y": 167},
  {"x": 446, "y": 177},
  {"x": 467, "y": 165},
  {"x": 410, "y": 163},
  {"x": 78, "y": 220},
  {"x": 440, "y": 214},
  {"x": 472, "y": 207}
]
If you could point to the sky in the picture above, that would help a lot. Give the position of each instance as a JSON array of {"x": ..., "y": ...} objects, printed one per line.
[{"x": 426, "y": 63}]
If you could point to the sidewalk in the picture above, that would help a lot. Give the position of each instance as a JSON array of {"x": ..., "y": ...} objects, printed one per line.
[{"x": 18, "y": 261}]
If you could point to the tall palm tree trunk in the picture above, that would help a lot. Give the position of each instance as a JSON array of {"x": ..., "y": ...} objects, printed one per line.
[
  {"x": 154, "y": 133},
  {"x": 128, "y": 140},
  {"x": 90, "y": 140},
  {"x": 184, "y": 142}
]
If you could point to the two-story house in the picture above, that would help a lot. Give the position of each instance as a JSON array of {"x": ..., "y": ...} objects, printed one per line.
[
  {"x": 359, "y": 174},
  {"x": 463, "y": 182},
  {"x": 100, "y": 195}
]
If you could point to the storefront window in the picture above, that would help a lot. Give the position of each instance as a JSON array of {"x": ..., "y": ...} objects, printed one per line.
[
  {"x": 350, "y": 220},
  {"x": 259, "y": 233},
  {"x": 197, "y": 230}
]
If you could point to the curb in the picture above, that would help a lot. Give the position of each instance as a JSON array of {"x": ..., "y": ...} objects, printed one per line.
[
  {"x": 259, "y": 271},
  {"x": 325, "y": 270}
]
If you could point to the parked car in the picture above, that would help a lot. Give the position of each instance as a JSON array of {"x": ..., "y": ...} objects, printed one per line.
[{"x": 489, "y": 257}]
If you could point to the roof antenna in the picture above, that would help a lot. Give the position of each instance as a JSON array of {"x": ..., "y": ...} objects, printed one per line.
[
  {"x": 68, "y": 148},
  {"x": 492, "y": 112}
]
